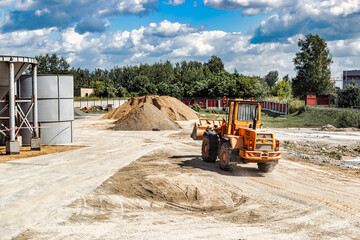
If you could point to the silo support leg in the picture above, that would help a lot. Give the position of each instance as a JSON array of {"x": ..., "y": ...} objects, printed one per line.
[
  {"x": 12, "y": 146},
  {"x": 35, "y": 141}
]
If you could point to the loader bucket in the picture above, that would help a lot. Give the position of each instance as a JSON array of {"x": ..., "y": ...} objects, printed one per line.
[{"x": 202, "y": 125}]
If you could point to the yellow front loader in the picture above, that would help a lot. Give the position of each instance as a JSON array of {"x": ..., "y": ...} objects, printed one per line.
[{"x": 239, "y": 139}]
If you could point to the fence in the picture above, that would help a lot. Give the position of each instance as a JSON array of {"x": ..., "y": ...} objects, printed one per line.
[
  {"x": 280, "y": 108},
  {"x": 102, "y": 102},
  {"x": 205, "y": 103}
]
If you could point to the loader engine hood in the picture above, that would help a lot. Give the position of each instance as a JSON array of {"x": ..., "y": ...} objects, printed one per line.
[{"x": 259, "y": 140}]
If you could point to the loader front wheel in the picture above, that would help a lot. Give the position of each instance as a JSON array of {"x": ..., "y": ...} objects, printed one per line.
[
  {"x": 267, "y": 167},
  {"x": 224, "y": 156},
  {"x": 209, "y": 147}
]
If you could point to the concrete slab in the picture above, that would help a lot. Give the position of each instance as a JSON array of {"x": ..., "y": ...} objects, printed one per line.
[
  {"x": 35, "y": 144},
  {"x": 12, "y": 148}
]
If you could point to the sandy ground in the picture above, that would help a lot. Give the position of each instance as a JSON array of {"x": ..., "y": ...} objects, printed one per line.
[
  {"x": 26, "y": 152},
  {"x": 100, "y": 192},
  {"x": 32, "y": 189}
]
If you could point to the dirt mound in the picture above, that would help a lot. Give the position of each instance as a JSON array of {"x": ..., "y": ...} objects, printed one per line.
[
  {"x": 173, "y": 186},
  {"x": 190, "y": 193},
  {"x": 145, "y": 118},
  {"x": 171, "y": 107}
]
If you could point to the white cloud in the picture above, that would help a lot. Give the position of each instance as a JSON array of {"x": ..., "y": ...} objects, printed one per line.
[
  {"x": 175, "y": 2},
  {"x": 132, "y": 6},
  {"x": 24, "y": 5},
  {"x": 72, "y": 41},
  {"x": 252, "y": 6},
  {"x": 135, "y": 47},
  {"x": 34, "y": 14},
  {"x": 23, "y": 38},
  {"x": 42, "y": 12},
  {"x": 333, "y": 19},
  {"x": 169, "y": 29},
  {"x": 5, "y": 3}
]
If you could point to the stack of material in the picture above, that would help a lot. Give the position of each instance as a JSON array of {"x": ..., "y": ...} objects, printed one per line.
[
  {"x": 151, "y": 113},
  {"x": 146, "y": 118}
]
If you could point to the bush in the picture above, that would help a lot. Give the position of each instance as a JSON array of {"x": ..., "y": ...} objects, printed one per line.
[
  {"x": 349, "y": 96},
  {"x": 196, "y": 107},
  {"x": 335, "y": 155},
  {"x": 282, "y": 90},
  {"x": 295, "y": 105},
  {"x": 348, "y": 118}
]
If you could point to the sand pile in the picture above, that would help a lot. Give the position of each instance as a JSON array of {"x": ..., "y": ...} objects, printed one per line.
[
  {"x": 178, "y": 187},
  {"x": 146, "y": 118},
  {"x": 169, "y": 106}
]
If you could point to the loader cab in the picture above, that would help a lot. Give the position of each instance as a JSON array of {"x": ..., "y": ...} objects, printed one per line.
[{"x": 243, "y": 114}]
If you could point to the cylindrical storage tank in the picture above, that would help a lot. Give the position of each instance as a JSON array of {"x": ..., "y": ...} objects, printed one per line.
[{"x": 55, "y": 108}]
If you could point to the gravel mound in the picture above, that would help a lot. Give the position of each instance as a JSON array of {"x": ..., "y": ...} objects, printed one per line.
[
  {"x": 79, "y": 113},
  {"x": 145, "y": 118},
  {"x": 169, "y": 106}
]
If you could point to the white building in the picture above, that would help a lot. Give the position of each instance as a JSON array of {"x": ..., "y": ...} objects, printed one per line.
[{"x": 350, "y": 75}]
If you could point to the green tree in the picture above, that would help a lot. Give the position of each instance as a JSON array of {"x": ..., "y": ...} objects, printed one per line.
[
  {"x": 116, "y": 74},
  {"x": 215, "y": 64},
  {"x": 282, "y": 89},
  {"x": 163, "y": 89},
  {"x": 122, "y": 92},
  {"x": 286, "y": 78},
  {"x": 177, "y": 91},
  {"x": 249, "y": 87},
  {"x": 271, "y": 78},
  {"x": 104, "y": 87},
  {"x": 52, "y": 64},
  {"x": 312, "y": 66},
  {"x": 128, "y": 75},
  {"x": 141, "y": 81},
  {"x": 82, "y": 78}
]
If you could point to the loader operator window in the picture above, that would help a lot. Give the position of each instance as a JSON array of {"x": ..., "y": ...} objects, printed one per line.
[
  {"x": 231, "y": 116},
  {"x": 246, "y": 112}
]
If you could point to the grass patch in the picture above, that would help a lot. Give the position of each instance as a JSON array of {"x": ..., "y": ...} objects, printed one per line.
[
  {"x": 214, "y": 116},
  {"x": 335, "y": 155},
  {"x": 217, "y": 114},
  {"x": 288, "y": 145},
  {"x": 304, "y": 118}
]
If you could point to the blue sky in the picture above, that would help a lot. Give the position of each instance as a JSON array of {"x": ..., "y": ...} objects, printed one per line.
[{"x": 253, "y": 36}]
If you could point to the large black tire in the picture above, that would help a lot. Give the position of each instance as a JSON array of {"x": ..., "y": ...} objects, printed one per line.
[
  {"x": 225, "y": 156},
  {"x": 210, "y": 146},
  {"x": 267, "y": 167}
]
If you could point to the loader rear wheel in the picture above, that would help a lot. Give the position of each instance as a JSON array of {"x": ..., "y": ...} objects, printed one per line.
[
  {"x": 267, "y": 167},
  {"x": 209, "y": 147},
  {"x": 224, "y": 156}
]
